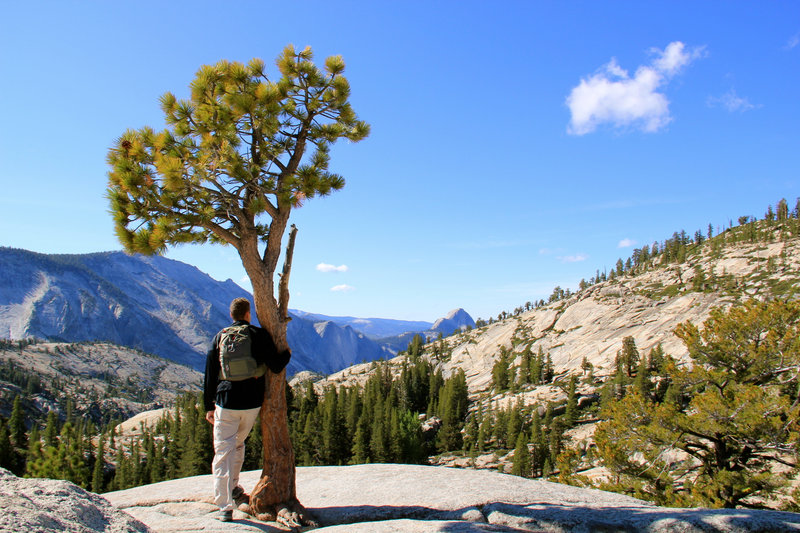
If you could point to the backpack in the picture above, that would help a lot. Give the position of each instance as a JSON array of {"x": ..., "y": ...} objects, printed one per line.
[{"x": 235, "y": 355}]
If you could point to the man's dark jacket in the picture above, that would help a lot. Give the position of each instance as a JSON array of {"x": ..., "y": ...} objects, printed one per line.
[{"x": 249, "y": 393}]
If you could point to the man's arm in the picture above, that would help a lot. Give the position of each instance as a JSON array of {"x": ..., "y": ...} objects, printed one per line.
[
  {"x": 211, "y": 379},
  {"x": 266, "y": 352}
]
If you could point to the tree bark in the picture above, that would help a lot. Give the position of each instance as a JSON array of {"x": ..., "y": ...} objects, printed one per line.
[{"x": 274, "y": 498}]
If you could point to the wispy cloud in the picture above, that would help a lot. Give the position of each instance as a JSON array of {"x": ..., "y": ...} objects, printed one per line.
[
  {"x": 324, "y": 267},
  {"x": 793, "y": 41},
  {"x": 342, "y": 288},
  {"x": 612, "y": 96},
  {"x": 577, "y": 258},
  {"x": 626, "y": 243},
  {"x": 731, "y": 102}
]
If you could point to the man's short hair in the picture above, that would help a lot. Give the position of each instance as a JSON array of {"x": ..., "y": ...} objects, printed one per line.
[{"x": 239, "y": 308}]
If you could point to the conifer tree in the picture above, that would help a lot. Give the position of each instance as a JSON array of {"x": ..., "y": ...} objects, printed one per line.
[
  {"x": 235, "y": 159},
  {"x": 7, "y": 459},
  {"x": 571, "y": 414},
  {"x": 513, "y": 422},
  {"x": 733, "y": 411},
  {"x": 521, "y": 465},
  {"x": 452, "y": 411},
  {"x": 539, "y": 446},
  {"x": 548, "y": 370},
  {"x": 16, "y": 424}
]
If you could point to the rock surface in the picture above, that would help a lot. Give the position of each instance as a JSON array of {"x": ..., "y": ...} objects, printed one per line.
[
  {"x": 405, "y": 498},
  {"x": 45, "y": 505}
]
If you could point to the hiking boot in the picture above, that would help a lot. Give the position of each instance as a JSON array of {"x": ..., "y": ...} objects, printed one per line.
[
  {"x": 225, "y": 516},
  {"x": 237, "y": 493}
]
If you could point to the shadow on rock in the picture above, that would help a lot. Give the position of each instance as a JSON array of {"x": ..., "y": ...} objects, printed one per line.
[{"x": 634, "y": 519}]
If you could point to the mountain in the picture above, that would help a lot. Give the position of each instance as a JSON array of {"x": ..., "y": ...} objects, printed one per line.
[
  {"x": 374, "y": 328},
  {"x": 327, "y": 347},
  {"x": 164, "y": 307},
  {"x": 150, "y": 303},
  {"x": 99, "y": 380},
  {"x": 456, "y": 320},
  {"x": 592, "y": 323}
]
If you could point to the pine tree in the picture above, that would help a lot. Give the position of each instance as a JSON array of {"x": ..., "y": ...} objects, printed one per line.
[
  {"x": 628, "y": 356},
  {"x": 521, "y": 465},
  {"x": 360, "y": 450},
  {"x": 537, "y": 439},
  {"x": 571, "y": 415},
  {"x": 513, "y": 422},
  {"x": 16, "y": 424},
  {"x": 51, "y": 429},
  {"x": 7, "y": 459},
  {"x": 230, "y": 168},
  {"x": 727, "y": 411},
  {"x": 452, "y": 411},
  {"x": 548, "y": 371}
]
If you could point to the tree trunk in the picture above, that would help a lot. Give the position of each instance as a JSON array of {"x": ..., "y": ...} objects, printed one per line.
[{"x": 274, "y": 497}]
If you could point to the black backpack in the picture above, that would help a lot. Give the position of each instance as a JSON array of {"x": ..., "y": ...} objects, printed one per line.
[{"x": 236, "y": 356}]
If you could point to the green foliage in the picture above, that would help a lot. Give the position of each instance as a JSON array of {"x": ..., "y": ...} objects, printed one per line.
[
  {"x": 233, "y": 151},
  {"x": 16, "y": 424},
  {"x": 715, "y": 435}
]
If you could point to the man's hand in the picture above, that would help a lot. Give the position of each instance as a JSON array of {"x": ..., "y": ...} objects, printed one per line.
[{"x": 210, "y": 417}]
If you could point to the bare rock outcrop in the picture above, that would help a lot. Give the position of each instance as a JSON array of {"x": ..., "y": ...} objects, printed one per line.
[
  {"x": 45, "y": 505},
  {"x": 407, "y": 498}
]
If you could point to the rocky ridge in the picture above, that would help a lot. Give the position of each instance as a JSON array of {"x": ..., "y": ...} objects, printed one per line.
[{"x": 592, "y": 323}]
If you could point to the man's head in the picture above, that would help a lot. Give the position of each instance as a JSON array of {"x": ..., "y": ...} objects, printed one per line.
[{"x": 240, "y": 309}]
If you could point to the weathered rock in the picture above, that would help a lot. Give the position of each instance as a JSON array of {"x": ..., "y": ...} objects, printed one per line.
[
  {"x": 45, "y": 505},
  {"x": 408, "y": 498}
]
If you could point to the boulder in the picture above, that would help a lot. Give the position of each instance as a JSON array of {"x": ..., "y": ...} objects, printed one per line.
[{"x": 47, "y": 505}]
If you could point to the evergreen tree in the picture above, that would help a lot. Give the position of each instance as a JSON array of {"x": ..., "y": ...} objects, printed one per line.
[
  {"x": 733, "y": 412},
  {"x": 361, "y": 439},
  {"x": 548, "y": 371},
  {"x": 513, "y": 422},
  {"x": 452, "y": 411},
  {"x": 230, "y": 167},
  {"x": 628, "y": 356},
  {"x": 16, "y": 424},
  {"x": 521, "y": 465},
  {"x": 500, "y": 373},
  {"x": 7, "y": 459},
  {"x": 571, "y": 415},
  {"x": 538, "y": 440}
]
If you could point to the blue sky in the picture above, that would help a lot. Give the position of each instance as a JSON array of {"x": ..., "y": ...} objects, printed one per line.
[{"x": 515, "y": 146}]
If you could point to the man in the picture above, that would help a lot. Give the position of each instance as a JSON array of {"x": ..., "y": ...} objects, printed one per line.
[{"x": 232, "y": 404}]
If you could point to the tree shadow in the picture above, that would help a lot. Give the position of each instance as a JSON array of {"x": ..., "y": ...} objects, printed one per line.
[
  {"x": 499, "y": 516},
  {"x": 329, "y": 516},
  {"x": 640, "y": 518}
]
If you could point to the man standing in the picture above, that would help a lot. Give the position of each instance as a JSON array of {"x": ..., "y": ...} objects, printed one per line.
[{"x": 233, "y": 391}]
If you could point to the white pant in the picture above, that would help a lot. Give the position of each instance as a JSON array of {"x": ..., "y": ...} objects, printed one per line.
[{"x": 231, "y": 428}]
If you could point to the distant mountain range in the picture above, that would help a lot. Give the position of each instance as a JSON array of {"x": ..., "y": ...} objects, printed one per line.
[{"x": 172, "y": 309}]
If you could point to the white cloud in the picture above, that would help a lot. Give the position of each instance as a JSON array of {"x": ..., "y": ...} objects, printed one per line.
[
  {"x": 732, "y": 102},
  {"x": 793, "y": 41},
  {"x": 612, "y": 96},
  {"x": 626, "y": 243},
  {"x": 324, "y": 267},
  {"x": 577, "y": 258},
  {"x": 342, "y": 288}
]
